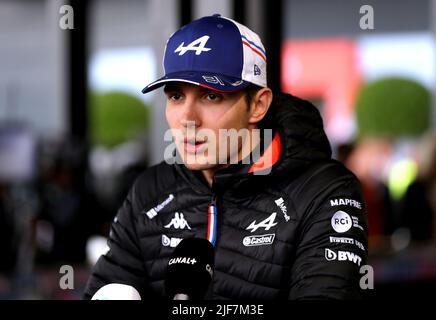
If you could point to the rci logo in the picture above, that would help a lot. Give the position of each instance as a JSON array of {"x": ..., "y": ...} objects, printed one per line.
[{"x": 341, "y": 221}]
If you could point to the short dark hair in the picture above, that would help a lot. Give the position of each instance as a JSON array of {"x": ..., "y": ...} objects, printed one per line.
[{"x": 250, "y": 92}]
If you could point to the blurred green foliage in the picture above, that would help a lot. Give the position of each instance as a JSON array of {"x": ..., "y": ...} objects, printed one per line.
[
  {"x": 393, "y": 107},
  {"x": 116, "y": 117}
]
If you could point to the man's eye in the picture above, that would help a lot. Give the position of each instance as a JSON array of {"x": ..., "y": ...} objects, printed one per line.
[
  {"x": 174, "y": 96},
  {"x": 212, "y": 96}
]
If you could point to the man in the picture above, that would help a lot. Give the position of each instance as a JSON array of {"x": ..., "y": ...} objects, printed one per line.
[{"x": 286, "y": 221}]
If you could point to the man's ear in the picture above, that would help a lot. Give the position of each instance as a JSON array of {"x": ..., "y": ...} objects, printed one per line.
[{"x": 259, "y": 105}]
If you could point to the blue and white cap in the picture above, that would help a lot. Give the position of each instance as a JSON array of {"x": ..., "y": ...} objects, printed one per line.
[{"x": 214, "y": 52}]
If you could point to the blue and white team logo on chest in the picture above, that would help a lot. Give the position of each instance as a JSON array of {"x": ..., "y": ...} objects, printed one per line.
[
  {"x": 266, "y": 224},
  {"x": 262, "y": 239}
]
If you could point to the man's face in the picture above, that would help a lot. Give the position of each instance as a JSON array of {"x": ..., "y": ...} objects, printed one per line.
[{"x": 201, "y": 119}]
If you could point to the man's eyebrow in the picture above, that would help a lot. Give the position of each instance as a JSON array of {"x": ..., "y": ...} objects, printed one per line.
[
  {"x": 171, "y": 87},
  {"x": 204, "y": 90},
  {"x": 174, "y": 87}
]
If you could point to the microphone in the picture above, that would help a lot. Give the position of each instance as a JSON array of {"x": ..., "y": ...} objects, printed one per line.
[
  {"x": 190, "y": 270},
  {"x": 116, "y": 291}
]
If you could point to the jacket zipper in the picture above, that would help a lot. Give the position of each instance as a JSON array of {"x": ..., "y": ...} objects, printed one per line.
[{"x": 212, "y": 220}]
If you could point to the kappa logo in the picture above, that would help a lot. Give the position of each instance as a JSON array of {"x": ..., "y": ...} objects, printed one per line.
[
  {"x": 267, "y": 224},
  {"x": 178, "y": 222},
  {"x": 197, "y": 45},
  {"x": 154, "y": 211},
  {"x": 330, "y": 255},
  {"x": 280, "y": 203}
]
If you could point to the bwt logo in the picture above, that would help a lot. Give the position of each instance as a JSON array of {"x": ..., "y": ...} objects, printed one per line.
[{"x": 342, "y": 256}]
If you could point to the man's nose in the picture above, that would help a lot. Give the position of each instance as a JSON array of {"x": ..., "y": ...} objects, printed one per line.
[{"x": 190, "y": 116}]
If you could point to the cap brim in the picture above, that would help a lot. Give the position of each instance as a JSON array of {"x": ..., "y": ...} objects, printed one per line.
[{"x": 215, "y": 82}]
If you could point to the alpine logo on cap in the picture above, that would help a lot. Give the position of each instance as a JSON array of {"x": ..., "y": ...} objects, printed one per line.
[
  {"x": 257, "y": 71},
  {"x": 197, "y": 45}
]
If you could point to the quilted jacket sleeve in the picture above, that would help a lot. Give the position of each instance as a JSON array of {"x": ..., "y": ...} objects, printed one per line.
[
  {"x": 122, "y": 263},
  {"x": 333, "y": 240}
]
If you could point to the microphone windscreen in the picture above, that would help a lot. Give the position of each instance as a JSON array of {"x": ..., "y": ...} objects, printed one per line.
[
  {"x": 116, "y": 291},
  {"x": 190, "y": 268}
]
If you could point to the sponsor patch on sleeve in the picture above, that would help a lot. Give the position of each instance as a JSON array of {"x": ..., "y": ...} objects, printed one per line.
[
  {"x": 346, "y": 202},
  {"x": 347, "y": 241},
  {"x": 341, "y": 255}
]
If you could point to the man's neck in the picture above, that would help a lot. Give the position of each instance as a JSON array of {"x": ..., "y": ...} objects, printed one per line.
[
  {"x": 250, "y": 143},
  {"x": 209, "y": 174}
]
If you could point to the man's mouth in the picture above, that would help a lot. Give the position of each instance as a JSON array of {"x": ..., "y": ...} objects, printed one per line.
[{"x": 193, "y": 145}]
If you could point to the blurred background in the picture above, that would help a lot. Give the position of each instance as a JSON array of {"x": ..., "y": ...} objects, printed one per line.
[{"x": 75, "y": 130}]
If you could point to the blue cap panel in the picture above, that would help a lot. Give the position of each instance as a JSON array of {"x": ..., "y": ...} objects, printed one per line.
[{"x": 209, "y": 44}]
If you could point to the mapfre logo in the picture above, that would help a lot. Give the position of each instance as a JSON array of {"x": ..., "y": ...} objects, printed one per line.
[
  {"x": 345, "y": 202},
  {"x": 331, "y": 255},
  {"x": 267, "y": 224},
  {"x": 198, "y": 45}
]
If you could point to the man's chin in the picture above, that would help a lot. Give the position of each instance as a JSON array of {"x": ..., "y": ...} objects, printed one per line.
[{"x": 198, "y": 166}]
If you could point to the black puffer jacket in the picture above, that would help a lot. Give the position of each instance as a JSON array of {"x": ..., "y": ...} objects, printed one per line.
[{"x": 299, "y": 232}]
